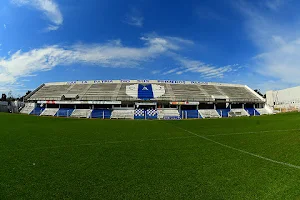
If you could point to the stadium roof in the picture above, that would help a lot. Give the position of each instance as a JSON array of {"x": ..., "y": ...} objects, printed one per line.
[{"x": 150, "y": 90}]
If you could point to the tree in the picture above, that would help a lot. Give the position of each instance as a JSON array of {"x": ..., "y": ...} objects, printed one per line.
[
  {"x": 3, "y": 97},
  {"x": 22, "y": 98},
  {"x": 10, "y": 96},
  {"x": 28, "y": 92}
]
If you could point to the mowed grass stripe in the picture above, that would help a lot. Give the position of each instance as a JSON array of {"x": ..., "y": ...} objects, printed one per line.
[
  {"x": 190, "y": 168},
  {"x": 241, "y": 150},
  {"x": 101, "y": 143},
  {"x": 147, "y": 140},
  {"x": 253, "y": 132}
]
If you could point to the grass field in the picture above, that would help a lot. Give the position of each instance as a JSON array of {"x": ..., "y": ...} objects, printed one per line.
[{"x": 237, "y": 158}]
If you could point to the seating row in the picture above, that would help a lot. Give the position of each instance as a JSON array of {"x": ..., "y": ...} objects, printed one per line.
[{"x": 142, "y": 113}]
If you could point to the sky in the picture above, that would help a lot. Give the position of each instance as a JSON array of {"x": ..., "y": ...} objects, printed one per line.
[{"x": 252, "y": 42}]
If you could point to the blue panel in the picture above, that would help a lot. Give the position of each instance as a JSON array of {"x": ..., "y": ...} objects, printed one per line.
[
  {"x": 223, "y": 112},
  {"x": 151, "y": 114},
  {"x": 190, "y": 114},
  {"x": 145, "y": 114},
  {"x": 172, "y": 118},
  {"x": 145, "y": 92},
  {"x": 252, "y": 111},
  {"x": 139, "y": 114},
  {"x": 37, "y": 111},
  {"x": 256, "y": 112},
  {"x": 64, "y": 112},
  {"x": 100, "y": 113}
]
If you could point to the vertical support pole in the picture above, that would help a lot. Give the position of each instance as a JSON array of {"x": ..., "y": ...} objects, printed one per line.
[{"x": 221, "y": 114}]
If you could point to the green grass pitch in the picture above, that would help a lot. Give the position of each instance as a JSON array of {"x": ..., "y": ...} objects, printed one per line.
[{"x": 236, "y": 158}]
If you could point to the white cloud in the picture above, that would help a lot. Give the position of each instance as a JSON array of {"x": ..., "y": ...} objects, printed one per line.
[
  {"x": 282, "y": 62},
  {"x": 171, "y": 71},
  {"x": 162, "y": 43},
  {"x": 4, "y": 26},
  {"x": 205, "y": 70},
  {"x": 274, "y": 4},
  {"x": 278, "y": 43},
  {"x": 113, "y": 54},
  {"x": 17, "y": 89},
  {"x": 155, "y": 72},
  {"x": 134, "y": 18},
  {"x": 52, "y": 28},
  {"x": 49, "y": 8},
  {"x": 22, "y": 64}
]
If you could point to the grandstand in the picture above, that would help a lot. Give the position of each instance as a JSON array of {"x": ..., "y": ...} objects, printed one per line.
[{"x": 144, "y": 99}]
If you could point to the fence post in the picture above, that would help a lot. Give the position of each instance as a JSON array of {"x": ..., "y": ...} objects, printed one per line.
[{"x": 221, "y": 114}]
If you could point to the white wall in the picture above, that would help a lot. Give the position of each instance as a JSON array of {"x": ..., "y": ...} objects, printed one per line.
[{"x": 284, "y": 98}]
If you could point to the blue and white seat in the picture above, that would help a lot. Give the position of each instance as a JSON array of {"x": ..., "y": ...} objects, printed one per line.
[
  {"x": 122, "y": 114},
  {"x": 64, "y": 112},
  {"x": 28, "y": 108},
  {"x": 37, "y": 111},
  {"x": 81, "y": 113},
  {"x": 209, "y": 113},
  {"x": 190, "y": 114},
  {"x": 252, "y": 111},
  {"x": 264, "y": 111},
  {"x": 223, "y": 112},
  {"x": 101, "y": 113},
  {"x": 151, "y": 113},
  {"x": 139, "y": 113},
  {"x": 49, "y": 112},
  {"x": 237, "y": 112},
  {"x": 168, "y": 114}
]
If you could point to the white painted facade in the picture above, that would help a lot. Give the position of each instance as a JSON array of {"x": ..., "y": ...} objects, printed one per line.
[{"x": 286, "y": 98}]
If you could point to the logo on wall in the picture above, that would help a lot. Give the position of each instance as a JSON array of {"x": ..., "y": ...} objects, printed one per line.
[{"x": 145, "y": 91}]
